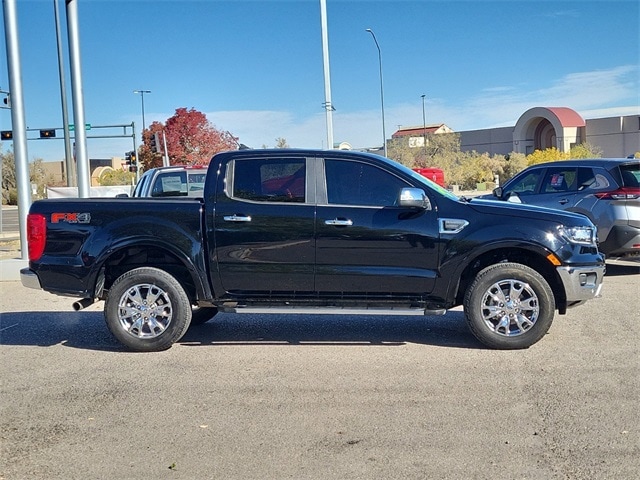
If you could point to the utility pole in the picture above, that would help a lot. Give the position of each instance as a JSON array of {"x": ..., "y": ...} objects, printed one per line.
[
  {"x": 68, "y": 153},
  {"x": 424, "y": 130},
  {"x": 18, "y": 121},
  {"x": 82, "y": 157},
  {"x": 327, "y": 77}
]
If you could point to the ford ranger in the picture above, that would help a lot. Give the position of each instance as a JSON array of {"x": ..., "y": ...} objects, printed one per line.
[{"x": 305, "y": 231}]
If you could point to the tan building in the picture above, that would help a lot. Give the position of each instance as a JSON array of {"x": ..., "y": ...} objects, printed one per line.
[
  {"x": 56, "y": 174},
  {"x": 544, "y": 127}
]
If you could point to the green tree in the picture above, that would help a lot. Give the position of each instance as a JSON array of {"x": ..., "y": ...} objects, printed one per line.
[
  {"x": 9, "y": 183},
  {"x": 585, "y": 150},
  {"x": 116, "y": 177},
  {"x": 547, "y": 155},
  {"x": 281, "y": 143},
  {"x": 37, "y": 175}
]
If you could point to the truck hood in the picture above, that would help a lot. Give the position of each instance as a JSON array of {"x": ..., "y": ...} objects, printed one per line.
[{"x": 499, "y": 207}]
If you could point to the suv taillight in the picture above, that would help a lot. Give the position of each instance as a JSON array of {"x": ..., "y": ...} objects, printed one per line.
[
  {"x": 623, "y": 193},
  {"x": 36, "y": 235}
]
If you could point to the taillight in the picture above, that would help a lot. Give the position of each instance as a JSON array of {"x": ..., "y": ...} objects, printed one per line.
[
  {"x": 623, "y": 193},
  {"x": 36, "y": 235}
]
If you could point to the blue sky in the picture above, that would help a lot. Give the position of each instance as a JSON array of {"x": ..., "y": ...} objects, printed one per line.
[{"x": 255, "y": 67}]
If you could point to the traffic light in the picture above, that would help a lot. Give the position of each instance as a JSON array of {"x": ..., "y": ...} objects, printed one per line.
[
  {"x": 47, "y": 133},
  {"x": 155, "y": 143},
  {"x": 131, "y": 160},
  {"x": 7, "y": 134}
]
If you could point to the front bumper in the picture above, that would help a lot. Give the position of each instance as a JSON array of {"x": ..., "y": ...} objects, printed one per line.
[
  {"x": 581, "y": 283},
  {"x": 29, "y": 279}
]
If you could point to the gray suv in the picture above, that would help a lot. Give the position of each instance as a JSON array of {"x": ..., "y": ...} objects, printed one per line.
[{"x": 605, "y": 190}]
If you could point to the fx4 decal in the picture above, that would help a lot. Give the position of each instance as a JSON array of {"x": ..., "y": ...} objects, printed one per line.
[{"x": 71, "y": 217}]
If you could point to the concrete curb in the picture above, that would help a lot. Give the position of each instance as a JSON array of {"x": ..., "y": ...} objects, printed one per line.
[{"x": 10, "y": 269}]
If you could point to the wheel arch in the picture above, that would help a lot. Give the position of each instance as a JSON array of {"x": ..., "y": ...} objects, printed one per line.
[
  {"x": 151, "y": 253},
  {"x": 534, "y": 259}
]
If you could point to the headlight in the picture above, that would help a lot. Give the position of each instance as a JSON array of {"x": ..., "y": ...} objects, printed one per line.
[{"x": 579, "y": 235}]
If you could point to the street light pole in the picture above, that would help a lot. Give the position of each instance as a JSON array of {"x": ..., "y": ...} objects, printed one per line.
[
  {"x": 142, "y": 92},
  {"x": 384, "y": 134},
  {"x": 424, "y": 130}
]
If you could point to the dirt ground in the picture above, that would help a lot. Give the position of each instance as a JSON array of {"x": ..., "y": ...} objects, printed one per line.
[{"x": 9, "y": 249}]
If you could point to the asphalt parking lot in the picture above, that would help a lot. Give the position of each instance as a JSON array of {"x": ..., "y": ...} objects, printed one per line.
[{"x": 320, "y": 397}]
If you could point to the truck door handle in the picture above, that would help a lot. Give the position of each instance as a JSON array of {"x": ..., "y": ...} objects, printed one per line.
[
  {"x": 237, "y": 218},
  {"x": 563, "y": 201},
  {"x": 339, "y": 222}
]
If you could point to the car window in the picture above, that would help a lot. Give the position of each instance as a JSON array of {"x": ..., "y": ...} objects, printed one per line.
[
  {"x": 172, "y": 184},
  {"x": 526, "y": 185},
  {"x": 141, "y": 186},
  {"x": 356, "y": 183},
  {"x": 558, "y": 179},
  {"x": 281, "y": 180},
  {"x": 590, "y": 179},
  {"x": 195, "y": 186},
  {"x": 630, "y": 175}
]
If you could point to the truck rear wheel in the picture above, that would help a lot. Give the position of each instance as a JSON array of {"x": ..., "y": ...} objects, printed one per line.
[
  {"x": 147, "y": 310},
  {"x": 509, "y": 306}
]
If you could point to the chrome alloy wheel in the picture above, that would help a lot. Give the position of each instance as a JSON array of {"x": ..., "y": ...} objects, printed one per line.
[
  {"x": 510, "y": 307},
  {"x": 145, "y": 311}
]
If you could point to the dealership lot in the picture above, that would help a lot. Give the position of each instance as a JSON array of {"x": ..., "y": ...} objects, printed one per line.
[{"x": 271, "y": 396}]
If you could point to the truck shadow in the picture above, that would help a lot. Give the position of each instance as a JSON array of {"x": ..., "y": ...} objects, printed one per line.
[
  {"x": 618, "y": 269},
  {"x": 87, "y": 330},
  {"x": 332, "y": 330}
]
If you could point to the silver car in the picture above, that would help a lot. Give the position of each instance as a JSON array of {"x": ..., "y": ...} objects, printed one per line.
[{"x": 605, "y": 190}]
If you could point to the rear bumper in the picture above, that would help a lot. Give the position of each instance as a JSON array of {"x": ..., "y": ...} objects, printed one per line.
[
  {"x": 581, "y": 283},
  {"x": 29, "y": 279},
  {"x": 621, "y": 241}
]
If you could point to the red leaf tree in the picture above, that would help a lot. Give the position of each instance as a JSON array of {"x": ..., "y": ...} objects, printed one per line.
[{"x": 191, "y": 140}]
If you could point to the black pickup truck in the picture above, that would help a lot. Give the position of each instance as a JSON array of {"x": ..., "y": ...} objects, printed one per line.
[{"x": 304, "y": 231}]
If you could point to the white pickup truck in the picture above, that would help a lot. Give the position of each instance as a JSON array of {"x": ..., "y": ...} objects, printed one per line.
[{"x": 174, "y": 181}]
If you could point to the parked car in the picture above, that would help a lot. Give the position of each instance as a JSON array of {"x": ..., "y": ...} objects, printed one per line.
[
  {"x": 174, "y": 181},
  {"x": 605, "y": 190},
  {"x": 434, "y": 174}
]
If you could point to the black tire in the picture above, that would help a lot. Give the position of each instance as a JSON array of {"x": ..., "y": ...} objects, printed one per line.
[
  {"x": 509, "y": 306},
  {"x": 200, "y": 315},
  {"x": 147, "y": 310}
]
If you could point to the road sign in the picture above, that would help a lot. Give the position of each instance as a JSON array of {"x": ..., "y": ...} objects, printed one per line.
[{"x": 72, "y": 127}]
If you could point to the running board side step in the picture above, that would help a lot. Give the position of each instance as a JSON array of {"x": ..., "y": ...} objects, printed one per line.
[{"x": 231, "y": 308}]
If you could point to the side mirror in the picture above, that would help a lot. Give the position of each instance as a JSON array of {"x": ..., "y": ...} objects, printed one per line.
[
  {"x": 414, "y": 198},
  {"x": 513, "y": 197},
  {"x": 122, "y": 195},
  {"x": 497, "y": 192}
]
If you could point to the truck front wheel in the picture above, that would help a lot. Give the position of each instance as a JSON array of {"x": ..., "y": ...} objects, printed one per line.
[
  {"x": 147, "y": 310},
  {"x": 509, "y": 306}
]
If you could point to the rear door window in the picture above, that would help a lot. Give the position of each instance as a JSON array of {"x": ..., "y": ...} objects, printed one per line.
[
  {"x": 279, "y": 180},
  {"x": 173, "y": 184},
  {"x": 592, "y": 179},
  {"x": 559, "y": 180}
]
